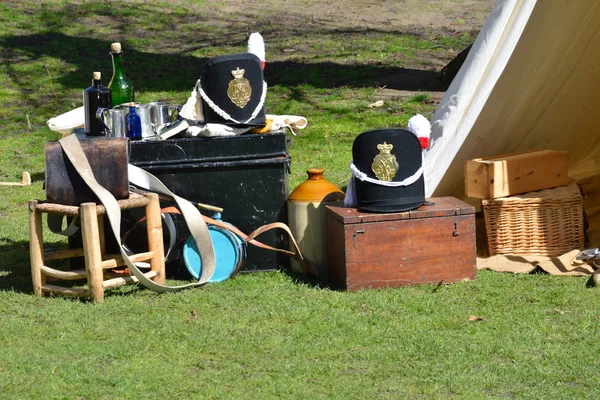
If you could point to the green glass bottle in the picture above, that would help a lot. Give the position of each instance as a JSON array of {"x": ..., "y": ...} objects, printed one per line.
[{"x": 120, "y": 86}]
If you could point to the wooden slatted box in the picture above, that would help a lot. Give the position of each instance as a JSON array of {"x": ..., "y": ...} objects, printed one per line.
[{"x": 509, "y": 174}]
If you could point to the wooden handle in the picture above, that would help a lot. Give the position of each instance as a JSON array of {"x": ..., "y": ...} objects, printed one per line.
[{"x": 25, "y": 181}]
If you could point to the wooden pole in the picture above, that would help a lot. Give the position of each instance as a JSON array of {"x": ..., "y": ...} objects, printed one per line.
[
  {"x": 25, "y": 181},
  {"x": 92, "y": 251},
  {"x": 102, "y": 239},
  {"x": 155, "y": 238},
  {"x": 36, "y": 247}
]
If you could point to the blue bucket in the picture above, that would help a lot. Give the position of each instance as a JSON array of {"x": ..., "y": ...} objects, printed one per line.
[{"x": 230, "y": 254}]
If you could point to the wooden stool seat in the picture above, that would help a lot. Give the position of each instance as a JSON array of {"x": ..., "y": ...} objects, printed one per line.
[{"x": 97, "y": 262}]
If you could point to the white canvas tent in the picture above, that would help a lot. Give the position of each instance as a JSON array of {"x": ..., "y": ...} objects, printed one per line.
[{"x": 531, "y": 80}]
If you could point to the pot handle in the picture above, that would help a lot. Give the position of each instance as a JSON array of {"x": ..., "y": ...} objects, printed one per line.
[{"x": 102, "y": 115}]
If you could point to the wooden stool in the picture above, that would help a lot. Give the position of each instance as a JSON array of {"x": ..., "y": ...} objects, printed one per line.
[{"x": 93, "y": 251}]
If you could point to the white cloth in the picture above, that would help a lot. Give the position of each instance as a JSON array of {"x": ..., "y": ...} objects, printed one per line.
[
  {"x": 469, "y": 92},
  {"x": 67, "y": 122},
  {"x": 292, "y": 122},
  {"x": 212, "y": 130}
]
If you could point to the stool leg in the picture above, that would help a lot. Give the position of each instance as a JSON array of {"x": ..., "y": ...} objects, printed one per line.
[
  {"x": 36, "y": 247},
  {"x": 101, "y": 235},
  {"x": 155, "y": 238},
  {"x": 102, "y": 242},
  {"x": 91, "y": 250}
]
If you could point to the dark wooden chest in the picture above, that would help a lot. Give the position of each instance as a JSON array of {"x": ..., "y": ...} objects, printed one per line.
[{"x": 432, "y": 244}]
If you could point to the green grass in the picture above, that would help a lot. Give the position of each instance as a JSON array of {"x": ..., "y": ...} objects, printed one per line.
[
  {"x": 262, "y": 335},
  {"x": 268, "y": 336}
]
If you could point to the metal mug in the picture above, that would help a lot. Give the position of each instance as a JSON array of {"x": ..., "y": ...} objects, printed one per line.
[
  {"x": 143, "y": 110},
  {"x": 145, "y": 113},
  {"x": 114, "y": 119},
  {"x": 162, "y": 113}
]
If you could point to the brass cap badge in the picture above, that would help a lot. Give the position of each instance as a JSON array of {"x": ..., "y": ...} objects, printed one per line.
[
  {"x": 384, "y": 164},
  {"x": 239, "y": 89}
]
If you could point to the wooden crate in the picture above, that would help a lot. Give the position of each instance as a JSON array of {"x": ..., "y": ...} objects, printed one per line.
[
  {"x": 548, "y": 223},
  {"x": 509, "y": 174},
  {"x": 432, "y": 244}
]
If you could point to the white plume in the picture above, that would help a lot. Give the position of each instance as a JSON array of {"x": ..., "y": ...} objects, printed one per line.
[
  {"x": 256, "y": 45},
  {"x": 420, "y": 126}
]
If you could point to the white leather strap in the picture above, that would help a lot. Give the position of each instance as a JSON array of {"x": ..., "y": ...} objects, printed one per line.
[
  {"x": 55, "y": 223},
  {"x": 196, "y": 224}
]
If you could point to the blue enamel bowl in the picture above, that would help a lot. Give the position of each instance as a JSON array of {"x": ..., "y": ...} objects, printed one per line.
[{"x": 230, "y": 254}]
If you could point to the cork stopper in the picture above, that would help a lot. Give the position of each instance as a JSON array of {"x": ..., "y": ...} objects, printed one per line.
[
  {"x": 96, "y": 76},
  {"x": 132, "y": 104},
  {"x": 115, "y": 47}
]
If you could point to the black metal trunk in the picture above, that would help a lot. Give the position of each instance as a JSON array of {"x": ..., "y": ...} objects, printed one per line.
[{"x": 246, "y": 175}]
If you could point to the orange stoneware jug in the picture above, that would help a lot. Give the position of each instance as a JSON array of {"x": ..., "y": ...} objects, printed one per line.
[{"x": 306, "y": 217}]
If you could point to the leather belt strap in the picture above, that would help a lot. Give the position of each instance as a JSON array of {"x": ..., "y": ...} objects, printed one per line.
[
  {"x": 139, "y": 177},
  {"x": 55, "y": 223},
  {"x": 307, "y": 267}
]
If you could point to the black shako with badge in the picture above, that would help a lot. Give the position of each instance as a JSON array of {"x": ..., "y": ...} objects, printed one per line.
[
  {"x": 233, "y": 91},
  {"x": 387, "y": 168}
]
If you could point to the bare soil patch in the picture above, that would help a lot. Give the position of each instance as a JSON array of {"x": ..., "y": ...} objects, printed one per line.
[
  {"x": 417, "y": 16},
  {"x": 345, "y": 20}
]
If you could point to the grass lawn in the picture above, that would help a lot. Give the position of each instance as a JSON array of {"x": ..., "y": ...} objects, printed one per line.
[{"x": 263, "y": 335}]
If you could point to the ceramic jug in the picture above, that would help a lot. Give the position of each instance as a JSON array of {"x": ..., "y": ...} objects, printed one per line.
[{"x": 306, "y": 217}]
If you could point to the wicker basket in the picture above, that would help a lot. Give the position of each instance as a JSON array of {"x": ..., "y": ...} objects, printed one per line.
[{"x": 545, "y": 223}]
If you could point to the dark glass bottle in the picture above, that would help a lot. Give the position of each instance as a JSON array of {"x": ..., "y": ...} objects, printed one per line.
[
  {"x": 94, "y": 97},
  {"x": 120, "y": 85},
  {"x": 134, "y": 124}
]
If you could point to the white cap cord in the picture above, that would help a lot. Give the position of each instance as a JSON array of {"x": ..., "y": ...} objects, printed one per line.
[
  {"x": 405, "y": 182},
  {"x": 222, "y": 113}
]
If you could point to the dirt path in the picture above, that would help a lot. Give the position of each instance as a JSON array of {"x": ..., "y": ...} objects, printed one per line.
[
  {"x": 345, "y": 20},
  {"x": 416, "y": 16}
]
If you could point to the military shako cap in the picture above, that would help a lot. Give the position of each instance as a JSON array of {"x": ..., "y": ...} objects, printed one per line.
[
  {"x": 233, "y": 90},
  {"x": 387, "y": 169}
]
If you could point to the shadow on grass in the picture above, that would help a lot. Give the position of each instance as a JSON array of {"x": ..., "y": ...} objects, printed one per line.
[
  {"x": 15, "y": 271},
  {"x": 38, "y": 176},
  {"x": 153, "y": 72},
  {"x": 318, "y": 282}
]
